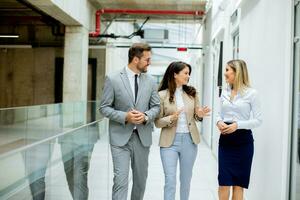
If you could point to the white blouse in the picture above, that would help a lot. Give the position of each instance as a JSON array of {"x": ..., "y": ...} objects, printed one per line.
[
  {"x": 182, "y": 120},
  {"x": 244, "y": 109}
]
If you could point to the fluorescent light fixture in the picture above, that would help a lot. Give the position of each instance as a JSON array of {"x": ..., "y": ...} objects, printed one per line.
[{"x": 9, "y": 35}]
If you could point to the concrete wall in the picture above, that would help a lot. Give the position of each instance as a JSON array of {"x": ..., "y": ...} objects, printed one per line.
[
  {"x": 27, "y": 76},
  {"x": 265, "y": 44}
]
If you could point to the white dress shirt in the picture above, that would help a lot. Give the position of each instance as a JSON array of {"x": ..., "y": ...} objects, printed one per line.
[
  {"x": 182, "y": 121},
  {"x": 244, "y": 109},
  {"x": 131, "y": 76}
]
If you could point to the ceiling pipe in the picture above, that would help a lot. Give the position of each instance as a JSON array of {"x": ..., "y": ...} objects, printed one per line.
[
  {"x": 141, "y": 12},
  {"x": 98, "y": 19}
]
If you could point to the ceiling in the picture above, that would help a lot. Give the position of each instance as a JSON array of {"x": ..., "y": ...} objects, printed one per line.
[
  {"x": 31, "y": 25},
  {"x": 19, "y": 16},
  {"x": 19, "y": 12},
  {"x": 174, "y": 5},
  {"x": 16, "y": 12}
]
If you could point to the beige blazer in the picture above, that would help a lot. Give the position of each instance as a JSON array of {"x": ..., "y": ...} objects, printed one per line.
[{"x": 168, "y": 129}]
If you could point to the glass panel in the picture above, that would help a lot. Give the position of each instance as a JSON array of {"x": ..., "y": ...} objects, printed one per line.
[
  {"x": 79, "y": 116},
  {"x": 67, "y": 116},
  {"x": 13, "y": 125},
  {"x": 54, "y": 167},
  {"x": 25, "y": 125},
  {"x": 23, "y": 172}
]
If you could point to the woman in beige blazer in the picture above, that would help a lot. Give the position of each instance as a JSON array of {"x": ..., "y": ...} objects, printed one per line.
[{"x": 179, "y": 111}]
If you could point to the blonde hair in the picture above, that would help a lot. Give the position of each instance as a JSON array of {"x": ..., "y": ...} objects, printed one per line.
[{"x": 241, "y": 81}]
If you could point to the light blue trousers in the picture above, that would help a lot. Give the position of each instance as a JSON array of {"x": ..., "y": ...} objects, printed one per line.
[{"x": 184, "y": 150}]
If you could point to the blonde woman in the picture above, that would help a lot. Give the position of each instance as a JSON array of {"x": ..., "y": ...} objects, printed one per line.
[
  {"x": 179, "y": 111},
  {"x": 239, "y": 113}
]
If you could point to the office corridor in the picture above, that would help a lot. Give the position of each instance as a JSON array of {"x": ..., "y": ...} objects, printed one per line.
[{"x": 56, "y": 55}]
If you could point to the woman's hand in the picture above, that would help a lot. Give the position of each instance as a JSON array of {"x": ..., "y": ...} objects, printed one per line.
[
  {"x": 175, "y": 115},
  {"x": 221, "y": 126},
  {"x": 229, "y": 128},
  {"x": 202, "y": 112}
]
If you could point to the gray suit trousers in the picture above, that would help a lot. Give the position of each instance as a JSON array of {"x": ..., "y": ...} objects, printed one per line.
[{"x": 137, "y": 154}]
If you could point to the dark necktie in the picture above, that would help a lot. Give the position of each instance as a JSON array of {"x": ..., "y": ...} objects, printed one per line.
[{"x": 136, "y": 87}]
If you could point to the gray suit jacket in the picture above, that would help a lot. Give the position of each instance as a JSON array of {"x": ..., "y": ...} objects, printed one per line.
[{"x": 117, "y": 99}]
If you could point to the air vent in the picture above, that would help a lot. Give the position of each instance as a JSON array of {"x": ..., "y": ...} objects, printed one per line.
[{"x": 156, "y": 35}]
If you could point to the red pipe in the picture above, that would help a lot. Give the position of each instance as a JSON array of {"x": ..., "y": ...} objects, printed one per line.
[
  {"x": 146, "y": 12},
  {"x": 98, "y": 19}
]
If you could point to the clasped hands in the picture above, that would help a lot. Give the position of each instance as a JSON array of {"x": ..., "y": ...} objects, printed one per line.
[
  {"x": 226, "y": 129},
  {"x": 135, "y": 117}
]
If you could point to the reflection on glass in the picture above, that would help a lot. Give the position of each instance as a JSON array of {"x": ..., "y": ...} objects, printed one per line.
[
  {"x": 29, "y": 167},
  {"x": 76, "y": 149},
  {"x": 36, "y": 160}
]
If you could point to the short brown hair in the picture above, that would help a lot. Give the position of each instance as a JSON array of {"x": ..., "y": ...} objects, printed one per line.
[{"x": 136, "y": 50}]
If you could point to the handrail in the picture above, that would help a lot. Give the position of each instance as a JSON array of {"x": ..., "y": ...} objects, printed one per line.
[{"x": 6, "y": 154}]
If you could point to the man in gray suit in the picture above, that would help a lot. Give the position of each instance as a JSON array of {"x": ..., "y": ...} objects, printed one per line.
[{"x": 131, "y": 102}]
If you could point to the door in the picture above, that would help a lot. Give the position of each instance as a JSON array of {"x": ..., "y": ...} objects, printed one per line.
[{"x": 91, "y": 90}]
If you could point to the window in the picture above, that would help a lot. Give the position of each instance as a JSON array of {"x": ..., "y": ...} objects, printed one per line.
[
  {"x": 235, "y": 46},
  {"x": 158, "y": 78}
]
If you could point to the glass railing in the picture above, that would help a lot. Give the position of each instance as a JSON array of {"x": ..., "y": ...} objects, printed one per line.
[
  {"x": 25, "y": 125},
  {"x": 45, "y": 152}
]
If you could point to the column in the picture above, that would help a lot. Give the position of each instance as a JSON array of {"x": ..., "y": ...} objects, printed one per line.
[{"x": 75, "y": 64}]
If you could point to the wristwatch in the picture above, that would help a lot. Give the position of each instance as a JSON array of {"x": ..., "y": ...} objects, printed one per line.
[{"x": 146, "y": 118}]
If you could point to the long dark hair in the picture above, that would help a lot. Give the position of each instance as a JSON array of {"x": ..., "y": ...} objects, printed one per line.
[{"x": 168, "y": 81}]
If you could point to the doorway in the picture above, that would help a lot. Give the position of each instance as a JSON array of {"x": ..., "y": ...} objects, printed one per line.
[{"x": 91, "y": 90}]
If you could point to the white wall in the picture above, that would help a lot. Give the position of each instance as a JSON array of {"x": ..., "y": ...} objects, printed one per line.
[
  {"x": 265, "y": 44},
  {"x": 268, "y": 55}
]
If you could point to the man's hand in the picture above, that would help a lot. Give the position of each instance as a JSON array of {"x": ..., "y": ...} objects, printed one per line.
[{"x": 135, "y": 117}]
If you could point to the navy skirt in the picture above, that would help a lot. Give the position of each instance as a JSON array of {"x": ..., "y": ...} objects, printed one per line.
[{"x": 235, "y": 158}]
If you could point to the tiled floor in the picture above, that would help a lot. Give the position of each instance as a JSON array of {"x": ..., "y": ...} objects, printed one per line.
[{"x": 204, "y": 181}]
